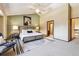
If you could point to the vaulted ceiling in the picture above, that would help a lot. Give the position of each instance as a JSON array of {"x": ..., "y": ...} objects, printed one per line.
[{"x": 29, "y": 8}]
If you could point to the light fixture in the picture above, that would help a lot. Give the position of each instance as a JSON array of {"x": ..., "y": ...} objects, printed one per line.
[{"x": 37, "y": 10}]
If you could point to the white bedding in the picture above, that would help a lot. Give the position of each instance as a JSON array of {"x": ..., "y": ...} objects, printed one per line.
[{"x": 22, "y": 35}]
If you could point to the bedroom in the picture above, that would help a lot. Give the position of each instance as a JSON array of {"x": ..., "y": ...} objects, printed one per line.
[
  {"x": 39, "y": 19},
  {"x": 13, "y": 22},
  {"x": 27, "y": 25}
]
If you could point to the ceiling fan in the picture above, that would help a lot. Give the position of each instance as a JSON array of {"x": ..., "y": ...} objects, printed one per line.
[{"x": 38, "y": 8}]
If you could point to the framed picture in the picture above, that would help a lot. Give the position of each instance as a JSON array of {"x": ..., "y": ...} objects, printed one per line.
[{"x": 26, "y": 20}]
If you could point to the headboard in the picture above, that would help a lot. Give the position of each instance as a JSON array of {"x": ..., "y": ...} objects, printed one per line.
[{"x": 25, "y": 28}]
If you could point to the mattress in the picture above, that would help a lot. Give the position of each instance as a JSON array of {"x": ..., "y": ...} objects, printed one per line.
[{"x": 30, "y": 36}]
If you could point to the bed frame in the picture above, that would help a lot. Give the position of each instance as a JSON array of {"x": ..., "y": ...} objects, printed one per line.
[{"x": 32, "y": 38}]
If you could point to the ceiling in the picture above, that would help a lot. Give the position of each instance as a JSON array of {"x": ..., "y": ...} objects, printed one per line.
[{"x": 29, "y": 8}]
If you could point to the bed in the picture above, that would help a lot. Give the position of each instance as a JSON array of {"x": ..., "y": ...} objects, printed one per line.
[{"x": 30, "y": 35}]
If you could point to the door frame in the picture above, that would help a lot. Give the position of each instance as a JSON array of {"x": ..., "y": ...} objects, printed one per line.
[
  {"x": 51, "y": 21},
  {"x": 71, "y": 27}
]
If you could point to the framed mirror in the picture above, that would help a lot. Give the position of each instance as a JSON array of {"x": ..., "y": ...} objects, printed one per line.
[{"x": 26, "y": 20}]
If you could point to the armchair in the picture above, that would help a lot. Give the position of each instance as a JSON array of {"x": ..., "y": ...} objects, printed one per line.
[{"x": 5, "y": 46}]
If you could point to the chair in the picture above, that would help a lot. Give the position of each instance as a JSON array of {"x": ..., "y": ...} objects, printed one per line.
[
  {"x": 4, "y": 47},
  {"x": 19, "y": 48}
]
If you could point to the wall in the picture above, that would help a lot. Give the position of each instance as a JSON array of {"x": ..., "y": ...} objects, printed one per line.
[
  {"x": 75, "y": 10},
  {"x": 18, "y": 20},
  {"x": 60, "y": 17},
  {"x": 1, "y": 24},
  {"x": 5, "y": 26},
  {"x": 15, "y": 20},
  {"x": 75, "y": 16},
  {"x": 35, "y": 19}
]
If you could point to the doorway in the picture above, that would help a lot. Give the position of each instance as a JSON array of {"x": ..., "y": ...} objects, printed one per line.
[
  {"x": 50, "y": 28},
  {"x": 75, "y": 28}
]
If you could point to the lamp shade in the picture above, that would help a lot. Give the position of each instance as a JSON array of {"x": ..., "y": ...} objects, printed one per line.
[
  {"x": 37, "y": 27},
  {"x": 15, "y": 27}
]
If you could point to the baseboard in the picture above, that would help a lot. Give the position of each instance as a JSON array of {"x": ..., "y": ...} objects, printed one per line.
[{"x": 61, "y": 39}]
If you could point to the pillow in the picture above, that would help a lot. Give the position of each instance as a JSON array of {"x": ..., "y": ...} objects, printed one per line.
[
  {"x": 29, "y": 31},
  {"x": 2, "y": 48},
  {"x": 34, "y": 31},
  {"x": 24, "y": 31},
  {"x": 1, "y": 40}
]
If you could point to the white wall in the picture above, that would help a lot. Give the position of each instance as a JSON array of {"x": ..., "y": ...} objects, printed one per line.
[
  {"x": 74, "y": 10},
  {"x": 60, "y": 17}
]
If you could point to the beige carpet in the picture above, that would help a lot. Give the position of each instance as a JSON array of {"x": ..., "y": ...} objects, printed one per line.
[
  {"x": 55, "y": 48},
  {"x": 50, "y": 48}
]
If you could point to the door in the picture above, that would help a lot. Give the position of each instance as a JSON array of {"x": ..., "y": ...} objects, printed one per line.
[
  {"x": 50, "y": 28},
  {"x": 75, "y": 28}
]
